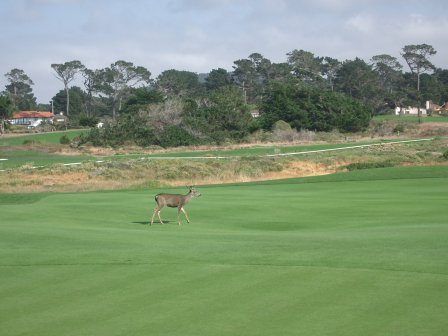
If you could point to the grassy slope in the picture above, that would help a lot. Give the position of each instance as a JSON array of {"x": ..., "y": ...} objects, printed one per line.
[
  {"x": 21, "y": 156},
  {"x": 18, "y": 158},
  {"x": 359, "y": 254},
  {"x": 50, "y": 137}
]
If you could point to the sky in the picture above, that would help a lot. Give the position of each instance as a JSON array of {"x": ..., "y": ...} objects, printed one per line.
[{"x": 202, "y": 35}]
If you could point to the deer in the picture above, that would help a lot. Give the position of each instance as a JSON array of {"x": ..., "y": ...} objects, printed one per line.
[{"x": 174, "y": 201}]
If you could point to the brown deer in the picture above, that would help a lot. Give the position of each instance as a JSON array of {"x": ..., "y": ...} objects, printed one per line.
[{"x": 174, "y": 201}]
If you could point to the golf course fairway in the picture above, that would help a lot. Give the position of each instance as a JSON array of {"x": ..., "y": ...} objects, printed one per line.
[{"x": 361, "y": 253}]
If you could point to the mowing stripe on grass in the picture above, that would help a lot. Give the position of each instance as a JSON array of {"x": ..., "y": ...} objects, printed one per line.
[{"x": 365, "y": 257}]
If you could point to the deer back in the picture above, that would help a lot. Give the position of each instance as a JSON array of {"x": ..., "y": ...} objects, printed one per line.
[{"x": 171, "y": 200}]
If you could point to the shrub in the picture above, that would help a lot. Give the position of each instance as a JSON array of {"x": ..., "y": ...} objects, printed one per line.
[
  {"x": 30, "y": 142},
  {"x": 87, "y": 121},
  {"x": 145, "y": 137},
  {"x": 445, "y": 154},
  {"x": 369, "y": 165},
  {"x": 174, "y": 136},
  {"x": 398, "y": 129},
  {"x": 281, "y": 125},
  {"x": 64, "y": 140}
]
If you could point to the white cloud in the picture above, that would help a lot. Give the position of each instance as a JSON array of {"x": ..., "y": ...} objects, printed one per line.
[
  {"x": 420, "y": 27},
  {"x": 362, "y": 23}
]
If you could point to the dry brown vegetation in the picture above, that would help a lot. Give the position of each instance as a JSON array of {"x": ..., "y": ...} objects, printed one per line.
[{"x": 144, "y": 173}]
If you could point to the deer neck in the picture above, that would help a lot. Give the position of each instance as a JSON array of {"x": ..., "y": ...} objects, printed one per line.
[{"x": 188, "y": 197}]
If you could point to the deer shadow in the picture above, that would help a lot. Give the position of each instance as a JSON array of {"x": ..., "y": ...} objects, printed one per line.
[{"x": 155, "y": 223}]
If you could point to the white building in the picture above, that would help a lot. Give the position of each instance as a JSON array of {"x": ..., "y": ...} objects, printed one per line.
[{"x": 410, "y": 111}]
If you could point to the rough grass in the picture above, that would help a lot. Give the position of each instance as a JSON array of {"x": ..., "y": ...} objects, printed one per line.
[
  {"x": 133, "y": 171},
  {"x": 360, "y": 253}
]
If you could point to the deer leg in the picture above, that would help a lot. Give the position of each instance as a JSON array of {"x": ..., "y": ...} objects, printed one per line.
[
  {"x": 153, "y": 214},
  {"x": 156, "y": 210},
  {"x": 178, "y": 215},
  {"x": 158, "y": 214},
  {"x": 185, "y": 213}
]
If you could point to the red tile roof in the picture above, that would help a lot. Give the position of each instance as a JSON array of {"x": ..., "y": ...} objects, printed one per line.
[{"x": 32, "y": 114}]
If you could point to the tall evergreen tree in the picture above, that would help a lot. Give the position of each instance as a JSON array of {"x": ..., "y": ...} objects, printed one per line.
[
  {"x": 66, "y": 73},
  {"x": 20, "y": 91},
  {"x": 6, "y": 109}
]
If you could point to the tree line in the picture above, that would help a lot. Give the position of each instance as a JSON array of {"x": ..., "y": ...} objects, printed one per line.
[{"x": 182, "y": 107}]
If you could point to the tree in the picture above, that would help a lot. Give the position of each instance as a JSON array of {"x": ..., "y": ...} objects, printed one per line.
[
  {"x": 19, "y": 90},
  {"x": 119, "y": 78},
  {"x": 431, "y": 88},
  {"x": 306, "y": 66},
  {"x": 178, "y": 83},
  {"x": 140, "y": 98},
  {"x": 217, "y": 78},
  {"x": 416, "y": 56},
  {"x": 357, "y": 79},
  {"x": 251, "y": 75},
  {"x": 92, "y": 83},
  {"x": 77, "y": 101},
  {"x": 330, "y": 68},
  {"x": 282, "y": 102},
  {"x": 6, "y": 109},
  {"x": 442, "y": 77},
  {"x": 279, "y": 72},
  {"x": 222, "y": 114},
  {"x": 310, "y": 107},
  {"x": 66, "y": 73},
  {"x": 389, "y": 71}
]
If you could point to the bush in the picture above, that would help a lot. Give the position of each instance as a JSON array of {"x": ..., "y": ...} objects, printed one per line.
[
  {"x": 398, "y": 129},
  {"x": 30, "y": 142},
  {"x": 174, "y": 136},
  {"x": 445, "y": 154},
  {"x": 281, "y": 125},
  {"x": 64, "y": 140},
  {"x": 87, "y": 121},
  {"x": 369, "y": 165}
]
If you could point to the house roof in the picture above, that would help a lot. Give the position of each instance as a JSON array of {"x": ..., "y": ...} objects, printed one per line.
[{"x": 32, "y": 114}]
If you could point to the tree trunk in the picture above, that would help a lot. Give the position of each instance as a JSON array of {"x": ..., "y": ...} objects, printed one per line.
[{"x": 68, "y": 101}]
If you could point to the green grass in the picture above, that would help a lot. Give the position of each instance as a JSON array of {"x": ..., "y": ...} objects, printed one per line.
[
  {"x": 50, "y": 137},
  {"x": 18, "y": 158},
  {"x": 249, "y": 151},
  {"x": 362, "y": 253},
  {"x": 265, "y": 150},
  {"x": 412, "y": 119}
]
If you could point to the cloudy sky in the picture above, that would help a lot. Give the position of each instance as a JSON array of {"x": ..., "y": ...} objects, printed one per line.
[{"x": 201, "y": 35}]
